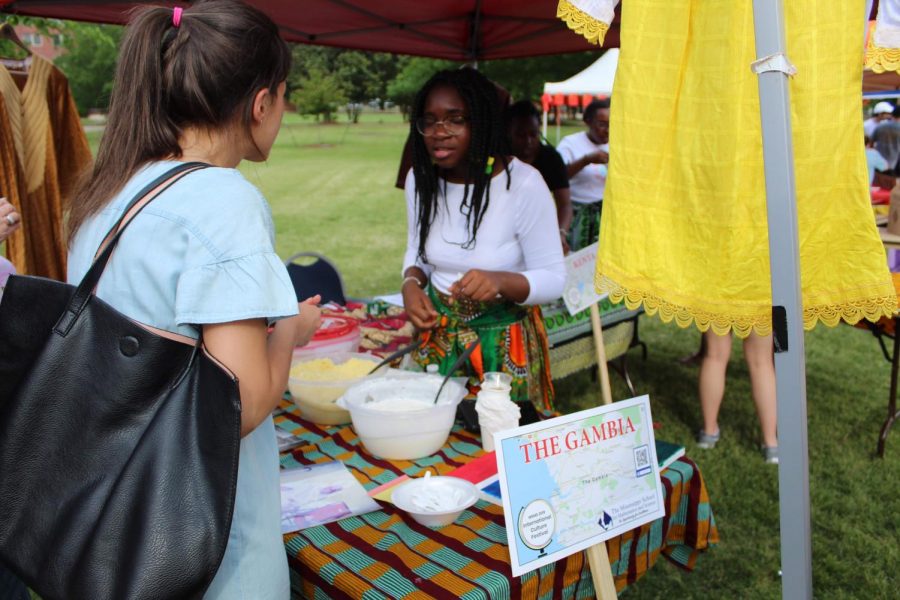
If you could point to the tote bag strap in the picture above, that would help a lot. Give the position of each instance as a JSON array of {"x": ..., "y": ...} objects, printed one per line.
[{"x": 85, "y": 289}]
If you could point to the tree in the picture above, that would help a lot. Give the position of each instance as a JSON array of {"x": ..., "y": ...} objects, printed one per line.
[
  {"x": 524, "y": 78},
  {"x": 358, "y": 79},
  {"x": 319, "y": 93},
  {"x": 90, "y": 62},
  {"x": 385, "y": 66},
  {"x": 362, "y": 76}
]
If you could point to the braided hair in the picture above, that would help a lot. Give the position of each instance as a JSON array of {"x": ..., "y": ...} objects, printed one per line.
[{"x": 487, "y": 140}]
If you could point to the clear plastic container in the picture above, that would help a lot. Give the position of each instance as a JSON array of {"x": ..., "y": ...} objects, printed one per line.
[
  {"x": 396, "y": 417},
  {"x": 317, "y": 381},
  {"x": 336, "y": 335}
]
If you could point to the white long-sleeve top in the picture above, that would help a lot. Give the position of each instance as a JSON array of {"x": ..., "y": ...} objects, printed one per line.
[
  {"x": 519, "y": 233},
  {"x": 587, "y": 185}
]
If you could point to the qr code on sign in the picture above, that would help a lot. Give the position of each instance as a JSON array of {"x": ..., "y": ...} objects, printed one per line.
[{"x": 642, "y": 464}]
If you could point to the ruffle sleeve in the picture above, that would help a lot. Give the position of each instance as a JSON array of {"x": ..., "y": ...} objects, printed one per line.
[
  {"x": 590, "y": 18},
  {"x": 247, "y": 287}
]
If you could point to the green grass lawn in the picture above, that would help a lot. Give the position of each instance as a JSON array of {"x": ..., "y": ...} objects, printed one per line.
[{"x": 331, "y": 191}]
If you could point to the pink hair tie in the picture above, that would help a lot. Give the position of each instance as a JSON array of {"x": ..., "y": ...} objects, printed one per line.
[{"x": 176, "y": 16}]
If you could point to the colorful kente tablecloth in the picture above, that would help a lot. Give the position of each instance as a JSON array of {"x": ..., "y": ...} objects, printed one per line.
[{"x": 385, "y": 554}]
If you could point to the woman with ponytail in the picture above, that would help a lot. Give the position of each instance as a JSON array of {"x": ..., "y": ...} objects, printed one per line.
[
  {"x": 482, "y": 247},
  {"x": 204, "y": 84}
]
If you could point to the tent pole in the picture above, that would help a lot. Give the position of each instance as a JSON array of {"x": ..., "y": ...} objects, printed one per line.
[{"x": 784, "y": 260}]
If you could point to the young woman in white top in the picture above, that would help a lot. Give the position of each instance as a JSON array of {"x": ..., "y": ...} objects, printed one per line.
[{"x": 483, "y": 247}]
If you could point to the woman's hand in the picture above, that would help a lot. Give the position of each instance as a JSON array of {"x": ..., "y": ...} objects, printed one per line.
[
  {"x": 598, "y": 158},
  {"x": 484, "y": 286},
  {"x": 478, "y": 285},
  {"x": 308, "y": 320},
  {"x": 10, "y": 220},
  {"x": 418, "y": 306}
]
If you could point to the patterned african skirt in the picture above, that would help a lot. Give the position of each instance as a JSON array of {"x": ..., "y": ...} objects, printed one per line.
[
  {"x": 585, "y": 228},
  {"x": 513, "y": 340}
]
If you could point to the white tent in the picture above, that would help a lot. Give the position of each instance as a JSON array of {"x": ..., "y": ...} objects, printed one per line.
[{"x": 597, "y": 79}]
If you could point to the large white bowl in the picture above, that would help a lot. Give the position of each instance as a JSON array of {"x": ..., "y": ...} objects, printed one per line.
[
  {"x": 416, "y": 431},
  {"x": 403, "y": 498}
]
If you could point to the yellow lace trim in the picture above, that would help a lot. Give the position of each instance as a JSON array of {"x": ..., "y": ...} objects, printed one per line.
[
  {"x": 582, "y": 23},
  {"x": 882, "y": 60},
  {"x": 870, "y": 308}
]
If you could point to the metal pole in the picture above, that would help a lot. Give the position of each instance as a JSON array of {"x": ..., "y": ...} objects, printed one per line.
[{"x": 784, "y": 259}]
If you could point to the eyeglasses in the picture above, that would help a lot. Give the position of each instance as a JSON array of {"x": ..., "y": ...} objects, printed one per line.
[{"x": 453, "y": 125}]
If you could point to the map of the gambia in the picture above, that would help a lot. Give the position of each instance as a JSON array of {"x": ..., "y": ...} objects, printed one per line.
[{"x": 574, "y": 481}]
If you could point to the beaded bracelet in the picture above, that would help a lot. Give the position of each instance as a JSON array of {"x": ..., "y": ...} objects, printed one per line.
[{"x": 412, "y": 278}]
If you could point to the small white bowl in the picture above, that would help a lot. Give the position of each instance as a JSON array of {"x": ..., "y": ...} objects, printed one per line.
[{"x": 444, "y": 486}]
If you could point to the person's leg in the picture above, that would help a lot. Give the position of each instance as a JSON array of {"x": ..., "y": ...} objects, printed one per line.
[
  {"x": 712, "y": 381},
  {"x": 759, "y": 353}
]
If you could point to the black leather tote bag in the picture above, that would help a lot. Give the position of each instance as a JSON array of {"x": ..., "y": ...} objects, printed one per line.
[{"x": 118, "y": 447}]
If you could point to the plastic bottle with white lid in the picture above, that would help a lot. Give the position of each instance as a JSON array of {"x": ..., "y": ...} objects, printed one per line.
[{"x": 495, "y": 408}]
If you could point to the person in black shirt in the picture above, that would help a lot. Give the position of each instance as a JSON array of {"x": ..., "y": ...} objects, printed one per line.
[{"x": 526, "y": 144}]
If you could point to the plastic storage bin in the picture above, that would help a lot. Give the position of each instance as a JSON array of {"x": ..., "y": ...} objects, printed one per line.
[
  {"x": 316, "y": 393},
  {"x": 335, "y": 335}
]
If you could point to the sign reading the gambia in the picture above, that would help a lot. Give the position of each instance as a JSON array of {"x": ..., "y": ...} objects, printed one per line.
[{"x": 574, "y": 481}]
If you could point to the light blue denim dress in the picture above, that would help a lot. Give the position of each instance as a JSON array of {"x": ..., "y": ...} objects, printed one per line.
[{"x": 203, "y": 252}]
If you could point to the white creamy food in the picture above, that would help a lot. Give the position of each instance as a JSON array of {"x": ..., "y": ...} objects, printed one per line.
[
  {"x": 398, "y": 403},
  {"x": 437, "y": 498}
]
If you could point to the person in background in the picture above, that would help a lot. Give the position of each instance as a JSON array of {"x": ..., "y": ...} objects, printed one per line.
[
  {"x": 586, "y": 155},
  {"x": 204, "y": 84},
  {"x": 875, "y": 161},
  {"x": 10, "y": 221},
  {"x": 526, "y": 144},
  {"x": 882, "y": 112},
  {"x": 483, "y": 247},
  {"x": 886, "y": 139},
  {"x": 759, "y": 354}
]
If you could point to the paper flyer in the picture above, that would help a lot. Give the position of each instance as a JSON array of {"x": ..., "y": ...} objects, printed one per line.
[{"x": 319, "y": 494}]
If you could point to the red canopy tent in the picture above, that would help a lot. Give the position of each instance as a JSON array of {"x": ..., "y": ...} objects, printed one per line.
[{"x": 462, "y": 30}]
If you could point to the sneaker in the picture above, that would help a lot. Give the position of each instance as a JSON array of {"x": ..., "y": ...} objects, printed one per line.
[
  {"x": 770, "y": 453},
  {"x": 707, "y": 441}
]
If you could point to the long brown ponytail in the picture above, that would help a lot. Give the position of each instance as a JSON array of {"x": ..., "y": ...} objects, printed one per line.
[{"x": 203, "y": 73}]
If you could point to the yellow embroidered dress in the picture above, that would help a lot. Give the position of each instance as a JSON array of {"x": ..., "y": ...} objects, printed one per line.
[{"x": 684, "y": 228}]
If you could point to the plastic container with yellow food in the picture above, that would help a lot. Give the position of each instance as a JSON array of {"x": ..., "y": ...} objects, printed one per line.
[{"x": 315, "y": 384}]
